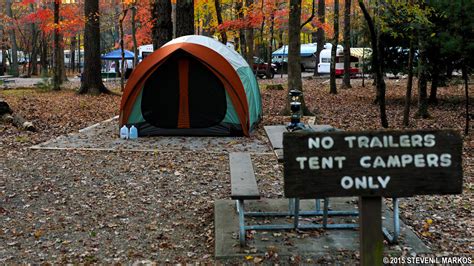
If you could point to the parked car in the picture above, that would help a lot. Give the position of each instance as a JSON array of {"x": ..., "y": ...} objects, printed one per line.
[{"x": 260, "y": 68}]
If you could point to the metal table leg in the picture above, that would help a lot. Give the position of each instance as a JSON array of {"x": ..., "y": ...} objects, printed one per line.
[
  {"x": 291, "y": 205},
  {"x": 325, "y": 212},
  {"x": 317, "y": 205},
  {"x": 392, "y": 239},
  {"x": 240, "y": 208},
  {"x": 296, "y": 213}
]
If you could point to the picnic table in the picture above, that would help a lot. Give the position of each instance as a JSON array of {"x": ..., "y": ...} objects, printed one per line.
[{"x": 244, "y": 187}]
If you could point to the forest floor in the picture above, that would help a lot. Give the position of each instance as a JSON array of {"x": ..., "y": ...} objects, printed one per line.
[{"x": 103, "y": 206}]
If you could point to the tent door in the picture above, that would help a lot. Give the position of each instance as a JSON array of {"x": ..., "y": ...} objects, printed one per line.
[
  {"x": 183, "y": 116},
  {"x": 183, "y": 93}
]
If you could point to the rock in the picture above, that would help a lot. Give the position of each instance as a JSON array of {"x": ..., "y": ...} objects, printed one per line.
[{"x": 4, "y": 108}]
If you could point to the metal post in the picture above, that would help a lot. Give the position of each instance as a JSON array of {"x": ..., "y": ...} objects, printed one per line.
[
  {"x": 241, "y": 223},
  {"x": 396, "y": 221},
  {"x": 291, "y": 205},
  {"x": 392, "y": 239},
  {"x": 325, "y": 212},
  {"x": 297, "y": 210}
]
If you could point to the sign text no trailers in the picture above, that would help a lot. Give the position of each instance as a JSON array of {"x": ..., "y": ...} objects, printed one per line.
[{"x": 382, "y": 163}]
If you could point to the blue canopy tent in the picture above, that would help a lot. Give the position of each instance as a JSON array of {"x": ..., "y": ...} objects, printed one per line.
[
  {"x": 117, "y": 55},
  {"x": 112, "y": 69}
]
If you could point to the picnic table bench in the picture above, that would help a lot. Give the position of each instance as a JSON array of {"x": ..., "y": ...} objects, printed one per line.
[{"x": 244, "y": 187}]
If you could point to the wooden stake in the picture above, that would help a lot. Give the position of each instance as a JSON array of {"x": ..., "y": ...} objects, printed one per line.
[{"x": 371, "y": 238}]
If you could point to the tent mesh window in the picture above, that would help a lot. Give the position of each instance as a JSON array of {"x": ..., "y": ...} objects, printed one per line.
[{"x": 203, "y": 92}]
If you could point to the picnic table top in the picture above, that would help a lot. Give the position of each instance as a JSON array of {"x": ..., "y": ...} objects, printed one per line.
[
  {"x": 6, "y": 76},
  {"x": 275, "y": 135}
]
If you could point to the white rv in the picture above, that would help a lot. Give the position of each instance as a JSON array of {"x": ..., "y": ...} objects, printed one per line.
[
  {"x": 358, "y": 55},
  {"x": 144, "y": 51},
  {"x": 324, "y": 64},
  {"x": 307, "y": 50}
]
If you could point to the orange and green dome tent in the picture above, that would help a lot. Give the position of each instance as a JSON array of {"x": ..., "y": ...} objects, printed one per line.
[{"x": 193, "y": 85}]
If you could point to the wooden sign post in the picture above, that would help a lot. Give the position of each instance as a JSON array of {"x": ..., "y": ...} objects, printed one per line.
[{"x": 372, "y": 165}]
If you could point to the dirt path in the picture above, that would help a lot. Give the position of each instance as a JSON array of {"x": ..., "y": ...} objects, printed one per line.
[{"x": 90, "y": 206}]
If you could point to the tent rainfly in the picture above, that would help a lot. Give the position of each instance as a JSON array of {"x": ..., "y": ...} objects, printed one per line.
[{"x": 193, "y": 85}]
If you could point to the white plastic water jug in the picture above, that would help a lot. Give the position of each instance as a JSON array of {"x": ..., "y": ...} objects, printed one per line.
[
  {"x": 133, "y": 132},
  {"x": 124, "y": 132}
]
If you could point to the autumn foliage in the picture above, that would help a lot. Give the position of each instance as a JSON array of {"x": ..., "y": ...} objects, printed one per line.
[{"x": 72, "y": 21}]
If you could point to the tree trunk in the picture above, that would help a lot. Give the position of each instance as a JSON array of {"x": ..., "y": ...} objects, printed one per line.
[
  {"x": 346, "y": 82},
  {"x": 380, "y": 53},
  {"x": 262, "y": 27},
  {"x": 449, "y": 69},
  {"x": 222, "y": 32},
  {"x": 91, "y": 81},
  {"x": 466, "y": 90},
  {"x": 116, "y": 28},
  {"x": 376, "y": 64},
  {"x": 62, "y": 66},
  {"x": 363, "y": 67},
  {"x": 3, "y": 51},
  {"x": 79, "y": 56},
  {"x": 162, "y": 29},
  {"x": 249, "y": 35},
  {"x": 184, "y": 17},
  {"x": 280, "y": 37},
  {"x": 56, "y": 53},
  {"x": 122, "y": 49},
  {"x": 44, "y": 56},
  {"x": 294, "y": 56},
  {"x": 422, "y": 83},
  {"x": 308, "y": 20},
  {"x": 270, "y": 47},
  {"x": 320, "y": 36},
  {"x": 406, "y": 111},
  {"x": 72, "y": 62},
  {"x": 243, "y": 43},
  {"x": 465, "y": 57},
  {"x": 33, "y": 69},
  {"x": 134, "y": 36},
  {"x": 14, "y": 57},
  {"x": 294, "y": 43},
  {"x": 2, "y": 65},
  {"x": 435, "y": 64},
  {"x": 332, "y": 86}
]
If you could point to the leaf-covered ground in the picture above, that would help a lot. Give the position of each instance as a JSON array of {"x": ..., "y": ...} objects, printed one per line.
[{"x": 84, "y": 206}]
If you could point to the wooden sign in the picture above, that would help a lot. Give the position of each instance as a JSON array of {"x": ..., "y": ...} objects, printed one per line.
[{"x": 372, "y": 163}]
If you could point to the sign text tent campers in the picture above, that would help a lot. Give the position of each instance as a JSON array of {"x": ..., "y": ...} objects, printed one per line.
[
  {"x": 372, "y": 165},
  {"x": 386, "y": 163}
]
